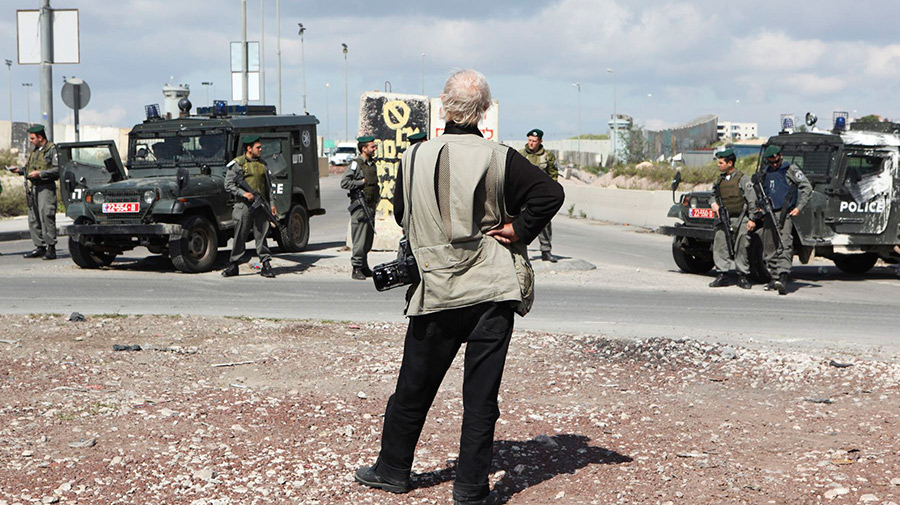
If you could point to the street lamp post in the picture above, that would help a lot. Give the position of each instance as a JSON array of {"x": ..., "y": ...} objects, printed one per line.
[
  {"x": 578, "y": 86},
  {"x": 346, "y": 98},
  {"x": 28, "y": 86},
  {"x": 262, "y": 53},
  {"x": 327, "y": 115},
  {"x": 615, "y": 119},
  {"x": 207, "y": 84},
  {"x": 303, "y": 65},
  {"x": 9, "y": 66}
]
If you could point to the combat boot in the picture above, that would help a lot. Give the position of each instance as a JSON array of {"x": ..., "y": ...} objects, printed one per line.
[
  {"x": 366, "y": 475},
  {"x": 744, "y": 282},
  {"x": 38, "y": 252},
  {"x": 231, "y": 270},
  {"x": 718, "y": 282},
  {"x": 358, "y": 274},
  {"x": 491, "y": 499},
  {"x": 267, "y": 270},
  {"x": 367, "y": 271},
  {"x": 546, "y": 256},
  {"x": 51, "y": 253},
  {"x": 781, "y": 284}
]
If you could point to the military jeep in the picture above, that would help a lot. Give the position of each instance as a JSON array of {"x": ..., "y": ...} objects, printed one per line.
[
  {"x": 853, "y": 215},
  {"x": 169, "y": 196}
]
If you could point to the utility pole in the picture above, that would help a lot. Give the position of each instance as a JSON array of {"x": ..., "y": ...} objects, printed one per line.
[
  {"x": 9, "y": 66},
  {"x": 262, "y": 53},
  {"x": 615, "y": 119},
  {"x": 278, "y": 48},
  {"x": 303, "y": 65},
  {"x": 46, "y": 68},
  {"x": 578, "y": 86},
  {"x": 207, "y": 84},
  {"x": 327, "y": 115},
  {"x": 245, "y": 81},
  {"x": 346, "y": 98},
  {"x": 27, "y": 86}
]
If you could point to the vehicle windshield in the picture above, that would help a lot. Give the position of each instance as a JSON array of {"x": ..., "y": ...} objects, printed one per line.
[
  {"x": 174, "y": 149},
  {"x": 345, "y": 150}
]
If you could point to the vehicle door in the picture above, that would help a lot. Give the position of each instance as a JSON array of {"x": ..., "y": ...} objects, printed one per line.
[
  {"x": 818, "y": 162},
  {"x": 84, "y": 165},
  {"x": 860, "y": 199},
  {"x": 276, "y": 149}
]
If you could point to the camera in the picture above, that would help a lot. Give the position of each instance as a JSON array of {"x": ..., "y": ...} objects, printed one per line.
[{"x": 400, "y": 272}]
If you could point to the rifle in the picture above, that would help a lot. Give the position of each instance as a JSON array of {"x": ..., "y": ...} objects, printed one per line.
[
  {"x": 357, "y": 200},
  {"x": 258, "y": 201},
  {"x": 786, "y": 210},
  {"x": 766, "y": 210},
  {"x": 29, "y": 187},
  {"x": 725, "y": 221}
]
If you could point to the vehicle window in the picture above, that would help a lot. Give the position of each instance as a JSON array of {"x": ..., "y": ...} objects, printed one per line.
[
  {"x": 271, "y": 147},
  {"x": 168, "y": 149},
  {"x": 862, "y": 166},
  {"x": 345, "y": 150},
  {"x": 94, "y": 156},
  {"x": 815, "y": 163}
]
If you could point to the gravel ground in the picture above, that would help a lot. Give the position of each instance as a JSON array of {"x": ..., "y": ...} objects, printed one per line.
[{"x": 297, "y": 408}]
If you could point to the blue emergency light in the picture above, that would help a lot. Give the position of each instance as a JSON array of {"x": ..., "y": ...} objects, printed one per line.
[
  {"x": 787, "y": 123},
  {"x": 839, "y": 119},
  {"x": 220, "y": 108},
  {"x": 152, "y": 111}
]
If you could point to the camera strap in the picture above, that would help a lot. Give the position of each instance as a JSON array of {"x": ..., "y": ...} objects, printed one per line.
[{"x": 409, "y": 190}]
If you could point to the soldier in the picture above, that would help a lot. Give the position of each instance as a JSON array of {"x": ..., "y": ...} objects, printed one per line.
[
  {"x": 249, "y": 171},
  {"x": 736, "y": 192},
  {"x": 41, "y": 172},
  {"x": 783, "y": 181},
  {"x": 415, "y": 138},
  {"x": 361, "y": 175},
  {"x": 545, "y": 160}
]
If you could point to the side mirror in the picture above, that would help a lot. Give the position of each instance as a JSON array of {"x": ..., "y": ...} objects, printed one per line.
[
  {"x": 677, "y": 180},
  {"x": 183, "y": 178}
]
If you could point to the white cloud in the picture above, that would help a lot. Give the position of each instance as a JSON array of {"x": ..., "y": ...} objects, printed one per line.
[
  {"x": 883, "y": 61},
  {"x": 777, "y": 51},
  {"x": 812, "y": 84}
]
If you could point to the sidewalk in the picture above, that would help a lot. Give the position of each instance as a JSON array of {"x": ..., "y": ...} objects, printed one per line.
[{"x": 16, "y": 228}]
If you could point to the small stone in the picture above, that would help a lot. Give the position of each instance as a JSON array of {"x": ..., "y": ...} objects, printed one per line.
[
  {"x": 866, "y": 498},
  {"x": 560, "y": 495},
  {"x": 238, "y": 428},
  {"x": 116, "y": 461},
  {"x": 519, "y": 468},
  {"x": 206, "y": 474},
  {"x": 838, "y": 491},
  {"x": 50, "y": 499},
  {"x": 77, "y": 317},
  {"x": 27, "y": 454},
  {"x": 167, "y": 413},
  {"x": 895, "y": 481},
  {"x": 361, "y": 395},
  {"x": 83, "y": 443},
  {"x": 729, "y": 353},
  {"x": 546, "y": 441}
]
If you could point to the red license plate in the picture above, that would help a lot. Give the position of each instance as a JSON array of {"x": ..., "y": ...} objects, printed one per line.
[
  {"x": 118, "y": 208},
  {"x": 702, "y": 213}
]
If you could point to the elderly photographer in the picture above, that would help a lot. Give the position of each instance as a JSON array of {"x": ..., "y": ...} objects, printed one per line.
[{"x": 468, "y": 206}]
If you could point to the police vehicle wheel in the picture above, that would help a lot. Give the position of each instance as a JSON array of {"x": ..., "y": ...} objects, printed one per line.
[
  {"x": 294, "y": 232},
  {"x": 687, "y": 262},
  {"x": 855, "y": 263},
  {"x": 758, "y": 270},
  {"x": 85, "y": 257},
  {"x": 196, "y": 252}
]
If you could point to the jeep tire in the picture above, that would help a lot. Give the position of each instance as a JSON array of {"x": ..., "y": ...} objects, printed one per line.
[
  {"x": 85, "y": 257},
  {"x": 687, "y": 262},
  {"x": 855, "y": 264},
  {"x": 196, "y": 250},
  {"x": 293, "y": 235}
]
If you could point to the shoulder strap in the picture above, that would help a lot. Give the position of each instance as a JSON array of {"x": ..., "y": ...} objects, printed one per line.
[{"x": 409, "y": 190}]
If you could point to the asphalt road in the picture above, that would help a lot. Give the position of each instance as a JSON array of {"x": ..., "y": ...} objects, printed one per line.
[{"x": 635, "y": 291}]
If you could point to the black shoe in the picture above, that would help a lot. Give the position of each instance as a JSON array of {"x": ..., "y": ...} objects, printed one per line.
[
  {"x": 744, "y": 282},
  {"x": 366, "y": 475},
  {"x": 718, "y": 282},
  {"x": 491, "y": 499},
  {"x": 546, "y": 256},
  {"x": 770, "y": 286},
  {"x": 231, "y": 271},
  {"x": 358, "y": 274},
  {"x": 781, "y": 284},
  {"x": 38, "y": 252},
  {"x": 51, "y": 253},
  {"x": 266, "y": 270},
  {"x": 367, "y": 271}
]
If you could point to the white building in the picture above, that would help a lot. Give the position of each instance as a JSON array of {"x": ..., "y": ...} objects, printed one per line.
[
  {"x": 619, "y": 125},
  {"x": 737, "y": 131}
]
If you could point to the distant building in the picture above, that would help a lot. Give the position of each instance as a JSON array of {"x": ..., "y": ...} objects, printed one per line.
[
  {"x": 172, "y": 94},
  {"x": 697, "y": 134},
  {"x": 737, "y": 131},
  {"x": 620, "y": 123}
]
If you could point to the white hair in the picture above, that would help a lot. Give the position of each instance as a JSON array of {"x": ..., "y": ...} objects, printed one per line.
[{"x": 466, "y": 96}]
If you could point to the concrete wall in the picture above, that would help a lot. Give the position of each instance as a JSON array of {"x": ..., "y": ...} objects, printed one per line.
[
  {"x": 592, "y": 152},
  {"x": 623, "y": 206},
  {"x": 15, "y": 135}
]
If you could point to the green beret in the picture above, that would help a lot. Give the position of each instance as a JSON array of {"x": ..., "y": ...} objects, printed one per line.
[
  {"x": 772, "y": 151},
  {"x": 366, "y": 139},
  {"x": 38, "y": 128},
  {"x": 536, "y": 133},
  {"x": 415, "y": 137},
  {"x": 248, "y": 140},
  {"x": 726, "y": 153}
]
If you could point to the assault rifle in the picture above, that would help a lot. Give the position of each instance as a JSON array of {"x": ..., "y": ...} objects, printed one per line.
[
  {"x": 29, "y": 188},
  {"x": 767, "y": 214},
  {"x": 258, "y": 201},
  {"x": 725, "y": 221},
  {"x": 357, "y": 200}
]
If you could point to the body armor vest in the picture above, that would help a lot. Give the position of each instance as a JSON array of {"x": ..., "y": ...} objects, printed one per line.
[
  {"x": 730, "y": 191},
  {"x": 778, "y": 186},
  {"x": 255, "y": 173},
  {"x": 370, "y": 174}
]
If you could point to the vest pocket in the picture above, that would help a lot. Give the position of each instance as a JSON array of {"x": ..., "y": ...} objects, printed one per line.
[
  {"x": 461, "y": 274},
  {"x": 525, "y": 276}
]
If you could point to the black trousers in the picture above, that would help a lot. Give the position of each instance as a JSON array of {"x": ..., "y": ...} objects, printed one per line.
[{"x": 432, "y": 341}]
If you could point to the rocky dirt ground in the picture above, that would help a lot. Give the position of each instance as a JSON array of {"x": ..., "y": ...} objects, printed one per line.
[{"x": 296, "y": 408}]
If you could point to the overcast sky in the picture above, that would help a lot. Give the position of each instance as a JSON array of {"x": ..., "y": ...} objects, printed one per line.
[{"x": 673, "y": 61}]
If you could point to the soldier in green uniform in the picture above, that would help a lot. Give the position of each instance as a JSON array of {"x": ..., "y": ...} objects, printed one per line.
[
  {"x": 251, "y": 170},
  {"x": 736, "y": 191},
  {"x": 362, "y": 175},
  {"x": 41, "y": 172},
  {"x": 789, "y": 190},
  {"x": 545, "y": 160},
  {"x": 415, "y": 138}
]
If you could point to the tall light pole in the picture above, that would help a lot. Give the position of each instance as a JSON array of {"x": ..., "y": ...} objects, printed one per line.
[
  {"x": 327, "y": 115},
  {"x": 28, "y": 86},
  {"x": 578, "y": 86},
  {"x": 278, "y": 49},
  {"x": 245, "y": 78},
  {"x": 46, "y": 88},
  {"x": 615, "y": 119},
  {"x": 262, "y": 53},
  {"x": 423, "y": 73},
  {"x": 346, "y": 98},
  {"x": 9, "y": 66},
  {"x": 207, "y": 84},
  {"x": 303, "y": 65}
]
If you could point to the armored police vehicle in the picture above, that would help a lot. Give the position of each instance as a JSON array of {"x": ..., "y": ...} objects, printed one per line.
[
  {"x": 852, "y": 218},
  {"x": 169, "y": 196}
]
